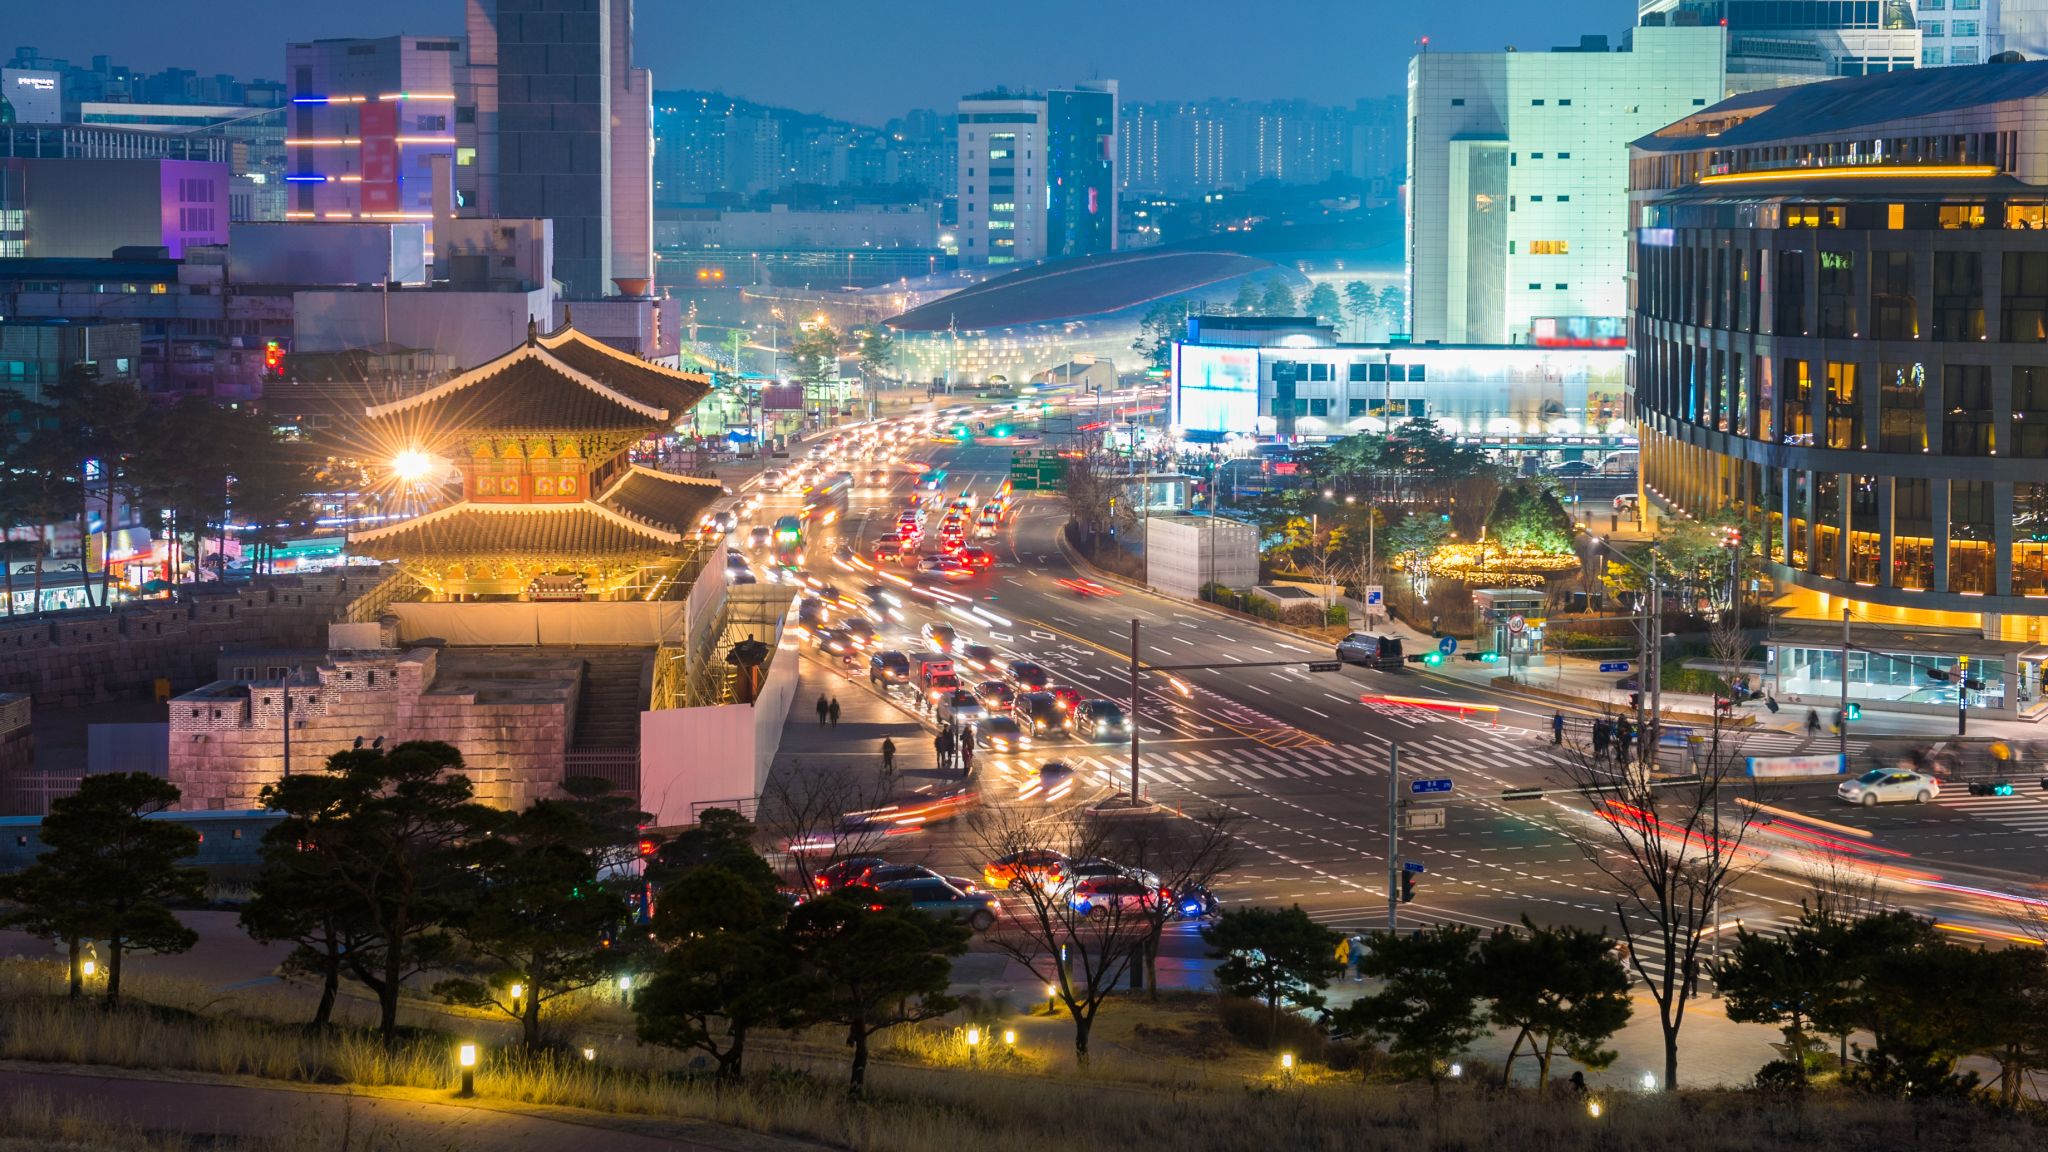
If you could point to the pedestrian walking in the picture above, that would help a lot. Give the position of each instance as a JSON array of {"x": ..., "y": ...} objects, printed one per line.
[
  {"x": 1812, "y": 723},
  {"x": 967, "y": 759},
  {"x": 946, "y": 749},
  {"x": 967, "y": 742},
  {"x": 823, "y": 708},
  {"x": 888, "y": 754},
  {"x": 833, "y": 712},
  {"x": 1557, "y": 727},
  {"x": 939, "y": 749},
  {"x": 1602, "y": 729},
  {"x": 1624, "y": 737}
]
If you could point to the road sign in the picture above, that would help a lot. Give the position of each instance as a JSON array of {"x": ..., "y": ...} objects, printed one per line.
[
  {"x": 1447, "y": 645},
  {"x": 1614, "y": 665},
  {"x": 1423, "y": 787},
  {"x": 1516, "y": 624},
  {"x": 1422, "y": 819},
  {"x": 1326, "y": 666},
  {"x": 1375, "y": 596},
  {"x": 1412, "y": 866}
]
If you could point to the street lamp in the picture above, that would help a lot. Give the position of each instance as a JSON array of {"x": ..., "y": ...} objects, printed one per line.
[
  {"x": 1009, "y": 1037},
  {"x": 465, "y": 1057},
  {"x": 973, "y": 1044}
]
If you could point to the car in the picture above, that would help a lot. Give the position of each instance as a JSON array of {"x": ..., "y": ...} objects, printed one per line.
[
  {"x": 1041, "y": 866},
  {"x": 810, "y": 613},
  {"x": 888, "y": 548},
  {"x": 1889, "y": 785},
  {"x": 985, "y": 532},
  {"x": 945, "y": 567},
  {"x": 933, "y": 896},
  {"x": 837, "y": 642},
  {"x": 882, "y": 874},
  {"x": 1627, "y": 503},
  {"x": 877, "y": 477},
  {"x": 1095, "y": 866},
  {"x": 861, "y": 629},
  {"x": 840, "y": 873},
  {"x": 734, "y": 559},
  {"x": 997, "y": 694},
  {"x": 773, "y": 479},
  {"x": 1068, "y": 699},
  {"x": 978, "y": 657},
  {"x": 844, "y": 553},
  {"x": 977, "y": 557},
  {"x": 724, "y": 520},
  {"x": 961, "y": 708},
  {"x": 758, "y": 536},
  {"x": 1370, "y": 650},
  {"x": 889, "y": 667},
  {"x": 1099, "y": 720},
  {"x": 1129, "y": 894},
  {"x": 1038, "y": 713},
  {"x": 1574, "y": 469},
  {"x": 939, "y": 637},
  {"x": 1002, "y": 734},
  {"x": 1028, "y": 675},
  {"x": 741, "y": 576}
]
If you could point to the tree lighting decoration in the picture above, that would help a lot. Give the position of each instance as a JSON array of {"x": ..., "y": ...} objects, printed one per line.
[{"x": 1483, "y": 563}]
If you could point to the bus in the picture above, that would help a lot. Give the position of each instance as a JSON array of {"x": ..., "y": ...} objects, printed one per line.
[{"x": 788, "y": 541}]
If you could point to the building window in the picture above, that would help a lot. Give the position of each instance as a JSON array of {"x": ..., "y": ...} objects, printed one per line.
[
  {"x": 1550, "y": 247},
  {"x": 1845, "y": 407},
  {"x": 1564, "y": 103},
  {"x": 2024, "y": 317},
  {"x": 1960, "y": 216},
  {"x": 1791, "y": 293},
  {"x": 1930, "y": 57},
  {"x": 1564, "y": 199},
  {"x": 1457, "y": 101},
  {"x": 1970, "y": 540},
  {"x": 1912, "y": 535},
  {"x": 2030, "y": 539},
  {"x": 1796, "y": 424},
  {"x": 1902, "y": 408},
  {"x": 1354, "y": 408},
  {"x": 2026, "y": 217},
  {"x": 1896, "y": 310},
  {"x": 1958, "y": 296},
  {"x": 1964, "y": 28},
  {"x": 1866, "y": 530},
  {"x": 2029, "y": 413},
  {"x": 1966, "y": 417},
  {"x": 1813, "y": 216},
  {"x": 1564, "y": 155},
  {"x": 1838, "y": 299},
  {"x": 1535, "y": 103},
  {"x": 1931, "y": 30},
  {"x": 1535, "y": 155}
]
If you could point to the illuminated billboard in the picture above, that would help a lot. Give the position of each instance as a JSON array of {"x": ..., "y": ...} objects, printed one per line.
[
  {"x": 1215, "y": 389},
  {"x": 36, "y": 97}
]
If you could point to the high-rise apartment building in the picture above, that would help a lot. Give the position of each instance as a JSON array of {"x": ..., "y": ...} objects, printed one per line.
[
  {"x": 1081, "y": 170},
  {"x": 367, "y": 119},
  {"x": 1002, "y": 178},
  {"x": 1185, "y": 148},
  {"x": 561, "y": 125},
  {"x": 1029, "y": 164},
  {"x": 1772, "y": 43},
  {"x": 1517, "y": 181}
]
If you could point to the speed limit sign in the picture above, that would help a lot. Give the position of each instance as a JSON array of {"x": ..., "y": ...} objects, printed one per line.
[{"x": 1516, "y": 624}]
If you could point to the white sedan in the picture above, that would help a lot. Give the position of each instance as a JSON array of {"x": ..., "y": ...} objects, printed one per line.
[{"x": 1885, "y": 785}]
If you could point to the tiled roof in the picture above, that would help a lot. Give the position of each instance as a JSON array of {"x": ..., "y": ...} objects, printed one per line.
[
  {"x": 674, "y": 502},
  {"x": 561, "y": 384},
  {"x": 1824, "y": 108},
  {"x": 577, "y": 533}
]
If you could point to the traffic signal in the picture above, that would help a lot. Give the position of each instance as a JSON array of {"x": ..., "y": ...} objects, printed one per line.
[
  {"x": 273, "y": 358},
  {"x": 1433, "y": 659},
  {"x": 1635, "y": 701},
  {"x": 1407, "y": 887},
  {"x": 1855, "y": 711}
]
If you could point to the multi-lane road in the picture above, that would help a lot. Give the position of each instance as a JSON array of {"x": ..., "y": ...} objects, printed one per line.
[{"x": 1300, "y": 758}]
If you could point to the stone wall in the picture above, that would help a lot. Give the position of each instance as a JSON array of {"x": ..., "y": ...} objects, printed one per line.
[
  {"x": 511, "y": 720},
  {"x": 17, "y": 738},
  {"x": 74, "y": 659}
]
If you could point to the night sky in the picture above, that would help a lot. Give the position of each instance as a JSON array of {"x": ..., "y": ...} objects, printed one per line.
[{"x": 867, "y": 60}]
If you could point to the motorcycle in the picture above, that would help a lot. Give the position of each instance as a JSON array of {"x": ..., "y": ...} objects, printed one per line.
[{"x": 1195, "y": 902}]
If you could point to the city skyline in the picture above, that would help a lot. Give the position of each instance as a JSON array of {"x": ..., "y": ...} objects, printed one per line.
[{"x": 791, "y": 53}]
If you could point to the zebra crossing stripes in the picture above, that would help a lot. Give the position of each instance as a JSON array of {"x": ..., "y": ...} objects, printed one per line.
[{"x": 2022, "y": 812}]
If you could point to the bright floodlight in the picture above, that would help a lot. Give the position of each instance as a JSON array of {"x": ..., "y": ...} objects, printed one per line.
[
  {"x": 412, "y": 465},
  {"x": 1649, "y": 1081}
]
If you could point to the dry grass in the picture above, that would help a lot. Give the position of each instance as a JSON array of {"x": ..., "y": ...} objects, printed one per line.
[
  {"x": 32, "y": 1122},
  {"x": 1168, "y": 1076}
]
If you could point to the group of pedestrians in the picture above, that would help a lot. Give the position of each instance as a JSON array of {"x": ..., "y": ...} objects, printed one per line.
[
  {"x": 1616, "y": 735},
  {"x": 954, "y": 748},
  {"x": 828, "y": 711}
]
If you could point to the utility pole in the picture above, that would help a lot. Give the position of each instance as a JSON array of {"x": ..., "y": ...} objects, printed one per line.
[
  {"x": 1657, "y": 662},
  {"x": 1842, "y": 717},
  {"x": 1393, "y": 835},
  {"x": 1134, "y": 713}
]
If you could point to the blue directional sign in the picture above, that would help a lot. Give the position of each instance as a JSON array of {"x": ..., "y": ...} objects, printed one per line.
[
  {"x": 1412, "y": 866},
  {"x": 1447, "y": 645},
  {"x": 1614, "y": 666},
  {"x": 1422, "y": 787}
]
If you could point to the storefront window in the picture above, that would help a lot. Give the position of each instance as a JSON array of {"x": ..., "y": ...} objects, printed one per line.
[
  {"x": 1866, "y": 530},
  {"x": 1967, "y": 422},
  {"x": 1958, "y": 296},
  {"x": 1970, "y": 541},
  {"x": 1902, "y": 407},
  {"x": 1845, "y": 407},
  {"x": 2030, "y": 539},
  {"x": 2029, "y": 413},
  {"x": 1797, "y": 419},
  {"x": 1912, "y": 535}
]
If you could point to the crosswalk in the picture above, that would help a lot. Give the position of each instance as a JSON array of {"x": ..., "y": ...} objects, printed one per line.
[
  {"x": 1260, "y": 764},
  {"x": 2022, "y": 812}
]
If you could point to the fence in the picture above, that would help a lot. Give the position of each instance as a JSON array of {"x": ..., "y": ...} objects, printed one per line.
[{"x": 618, "y": 767}]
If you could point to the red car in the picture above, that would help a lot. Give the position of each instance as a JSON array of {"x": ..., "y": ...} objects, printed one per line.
[
  {"x": 977, "y": 557},
  {"x": 1068, "y": 698}
]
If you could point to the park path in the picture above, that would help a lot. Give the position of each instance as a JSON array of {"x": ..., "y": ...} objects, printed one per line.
[{"x": 219, "y": 1107}]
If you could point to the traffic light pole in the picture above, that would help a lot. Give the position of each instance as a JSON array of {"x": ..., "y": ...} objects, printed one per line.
[
  {"x": 1842, "y": 716},
  {"x": 1393, "y": 836}
]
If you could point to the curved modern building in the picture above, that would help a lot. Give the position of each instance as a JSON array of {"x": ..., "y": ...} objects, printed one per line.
[{"x": 1839, "y": 316}]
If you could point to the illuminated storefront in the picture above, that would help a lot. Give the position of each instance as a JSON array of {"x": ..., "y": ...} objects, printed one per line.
[{"x": 1843, "y": 336}]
